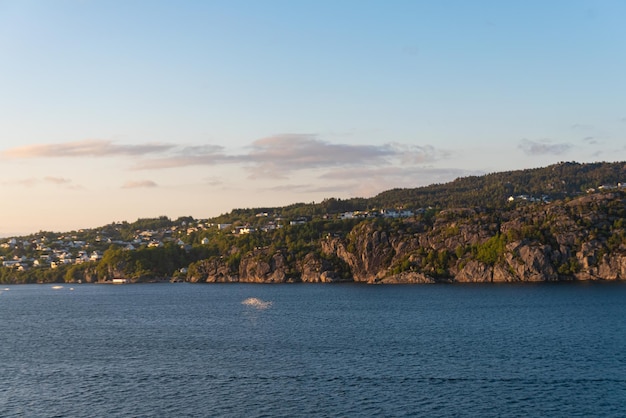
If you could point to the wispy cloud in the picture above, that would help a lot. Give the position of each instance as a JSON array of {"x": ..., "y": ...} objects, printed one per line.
[
  {"x": 410, "y": 175},
  {"x": 213, "y": 181},
  {"x": 350, "y": 188},
  {"x": 35, "y": 181},
  {"x": 276, "y": 156},
  {"x": 543, "y": 147},
  {"x": 582, "y": 127},
  {"x": 141, "y": 184},
  {"x": 27, "y": 182},
  {"x": 187, "y": 156},
  {"x": 279, "y": 155},
  {"x": 418, "y": 154},
  {"x": 368, "y": 181},
  {"x": 57, "y": 180},
  {"x": 86, "y": 148}
]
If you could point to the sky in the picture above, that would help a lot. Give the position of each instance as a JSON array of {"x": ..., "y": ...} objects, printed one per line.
[{"x": 115, "y": 110}]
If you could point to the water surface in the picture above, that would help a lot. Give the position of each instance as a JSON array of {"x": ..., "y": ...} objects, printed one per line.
[{"x": 313, "y": 350}]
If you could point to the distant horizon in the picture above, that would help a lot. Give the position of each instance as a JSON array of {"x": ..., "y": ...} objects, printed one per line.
[{"x": 122, "y": 111}]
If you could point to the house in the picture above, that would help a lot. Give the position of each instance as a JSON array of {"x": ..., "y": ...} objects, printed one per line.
[
  {"x": 271, "y": 226},
  {"x": 346, "y": 215},
  {"x": 389, "y": 213},
  {"x": 95, "y": 256}
]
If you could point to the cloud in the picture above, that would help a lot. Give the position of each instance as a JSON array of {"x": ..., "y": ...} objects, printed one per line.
[
  {"x": 411, "y": 50},
  {"x": 213, "y": 181},
  {"x": 28, "y": 182},
  {"x": 543, "y": 147},
  {"x": 57, "y": 180},
  {"x": 417, "y": 154},
  {"x": 582, "y": 127},
  {"x": 412, "y": 175},
  {"x": 86, "y": 148},
  {"x": 187, "y": 156},
  {"x": 271, "y": 157},
  {"x": 341, "y": 188},
  {"x": 34, "y": 181},
  {"x": 141, "y": 184},
  {"x": 590, "y": 140},
  {"x": 368, "y": 181},
  {"x": 278, "y": 155}
]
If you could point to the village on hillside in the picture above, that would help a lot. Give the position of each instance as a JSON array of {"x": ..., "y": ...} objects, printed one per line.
[{"x": 50, "y": 250}]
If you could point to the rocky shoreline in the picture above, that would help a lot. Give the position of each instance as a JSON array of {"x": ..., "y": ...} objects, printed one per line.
[{"x": 581, "y": 239}]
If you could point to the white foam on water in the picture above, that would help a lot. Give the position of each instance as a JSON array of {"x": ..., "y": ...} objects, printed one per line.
[
  {"x": 57, "y": 287},
  {"x": 257, "y": 303}
]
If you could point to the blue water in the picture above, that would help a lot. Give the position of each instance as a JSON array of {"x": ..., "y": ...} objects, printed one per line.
[{"x": 317, "y": 350}]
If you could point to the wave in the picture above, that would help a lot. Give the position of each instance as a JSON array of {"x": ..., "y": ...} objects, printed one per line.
[{"x": 257, "y": 303}]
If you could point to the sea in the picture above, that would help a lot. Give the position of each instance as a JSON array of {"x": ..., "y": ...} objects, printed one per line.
[{"x": 313, "y": 350}]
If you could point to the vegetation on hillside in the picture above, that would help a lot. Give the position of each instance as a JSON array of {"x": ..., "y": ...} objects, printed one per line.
[{"x": 161, "y": 248}]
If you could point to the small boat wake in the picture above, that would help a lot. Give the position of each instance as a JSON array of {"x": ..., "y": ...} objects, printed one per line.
[{"x": 256, "y": 303}]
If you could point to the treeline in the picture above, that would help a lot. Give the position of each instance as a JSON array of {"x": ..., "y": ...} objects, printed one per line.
[{"x": 492, "y": 190}]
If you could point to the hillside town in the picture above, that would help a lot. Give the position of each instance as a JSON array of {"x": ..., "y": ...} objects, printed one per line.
[
  {"x": 46, "y": 251},
  {"x": 49, "y": 250}
]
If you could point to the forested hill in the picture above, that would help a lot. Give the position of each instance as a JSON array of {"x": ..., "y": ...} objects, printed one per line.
[
  {"x": 491, "y": 190},
  {"x": 556, "y": 181},
  {"x": 562, "y": 222}
]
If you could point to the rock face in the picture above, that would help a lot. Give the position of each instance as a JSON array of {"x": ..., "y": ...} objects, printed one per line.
[
  {"x": 256, "y": 268},
  {"x": 475, "y": 272},
  {"x": 582, "y": 239},
  {"x": 262, "y": 266},
  {"x": 315, "y": 269},
  {"x": 213, "y": 270}
]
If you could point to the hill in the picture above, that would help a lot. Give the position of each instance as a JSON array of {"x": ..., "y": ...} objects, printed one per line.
[{"x": 561, "y": 222}]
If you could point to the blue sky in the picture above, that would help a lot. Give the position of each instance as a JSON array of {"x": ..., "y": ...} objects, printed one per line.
[{"x": 114, "y": 110}]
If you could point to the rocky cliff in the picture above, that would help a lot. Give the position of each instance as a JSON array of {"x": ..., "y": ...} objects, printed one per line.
[{"x": 578, "y": 239}]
